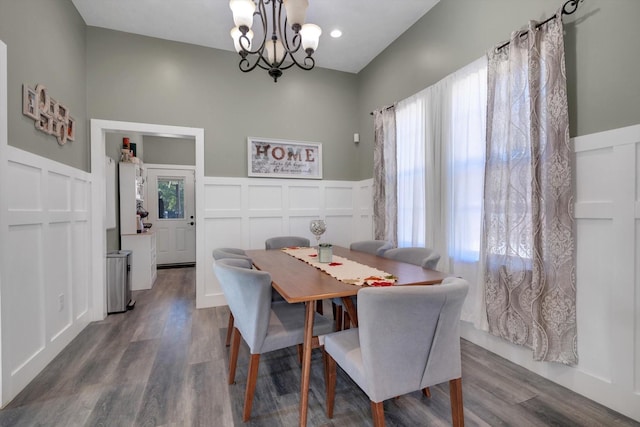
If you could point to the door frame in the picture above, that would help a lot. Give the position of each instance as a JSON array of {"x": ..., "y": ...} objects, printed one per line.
[
  {"x": 99, "y": 129},
  {"x": 158, "y": 166}
]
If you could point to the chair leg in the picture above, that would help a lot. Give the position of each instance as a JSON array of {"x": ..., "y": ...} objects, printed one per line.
[
  {"x": 233, "y": 356},
  {"x": 229, "y": 330},
  {"x": 426, "y": 392},
  {"x": 346, "y": 320},
  {"x": 377, "y": 410},
  {"x": 252, "y": 377},
  {"x": 338, "y": 318},
  {"x": 300, "y": 353},
  {"x": 457, "y": 407},
  {"x": 330, "y": 381},
  {"x": 319, "y": 307}
]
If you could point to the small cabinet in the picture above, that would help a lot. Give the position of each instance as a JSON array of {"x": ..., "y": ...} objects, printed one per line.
[{"x": 143, "y": 259}]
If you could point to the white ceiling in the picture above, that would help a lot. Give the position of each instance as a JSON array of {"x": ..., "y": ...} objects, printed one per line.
[{"x": 368, "y": 26}]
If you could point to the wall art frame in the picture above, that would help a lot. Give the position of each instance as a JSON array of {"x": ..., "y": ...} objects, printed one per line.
[
  {"x": 277, "y": 158},
  {"x": 30, "y": 103}
]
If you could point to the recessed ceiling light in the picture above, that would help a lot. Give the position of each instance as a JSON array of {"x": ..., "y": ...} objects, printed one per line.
[{"x": 336, "y": 33}]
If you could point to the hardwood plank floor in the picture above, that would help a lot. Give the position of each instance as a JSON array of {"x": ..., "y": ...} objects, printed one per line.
[{"x": 165, "y": 364}]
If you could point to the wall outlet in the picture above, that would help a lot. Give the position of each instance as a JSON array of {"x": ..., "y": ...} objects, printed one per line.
[{"x": 60, "y": 302}]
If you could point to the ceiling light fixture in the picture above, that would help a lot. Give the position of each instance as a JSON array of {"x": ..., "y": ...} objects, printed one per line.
[
  {"x": 335, "y": 34},
  {"x": 288, "y": 34}
]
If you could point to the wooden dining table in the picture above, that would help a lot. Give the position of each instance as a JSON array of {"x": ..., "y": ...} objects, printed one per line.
[{"x": 298, "y": 282}]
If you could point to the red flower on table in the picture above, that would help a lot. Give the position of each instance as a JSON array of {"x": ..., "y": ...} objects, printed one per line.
[
  {"x": 381, "y": 284},
  {"x": 333, "y": 264},
  {"x": 313, "y": 255}
]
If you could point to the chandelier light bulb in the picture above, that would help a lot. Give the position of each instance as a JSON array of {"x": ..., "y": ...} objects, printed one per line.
[
  {"x": 296, "y": 13},
  {"x": 279, "y": 52},
  {"x": 310, "y": 37},
  {"x": 242, "y": 12},
  {"x": 239, "y": 45}
]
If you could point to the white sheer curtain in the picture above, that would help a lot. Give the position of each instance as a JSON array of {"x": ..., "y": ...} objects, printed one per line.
[
  {"x": 440, "y": 151},
  {"x": 411, "y": 170}
]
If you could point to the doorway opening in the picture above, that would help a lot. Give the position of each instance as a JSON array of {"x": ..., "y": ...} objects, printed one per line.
[{"x": 99, "y": 130}]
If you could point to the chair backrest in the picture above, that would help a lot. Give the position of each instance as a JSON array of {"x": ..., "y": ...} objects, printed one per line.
[
  {"x": 374, "y": 247},
  {"x": 248, "y": 293},
  {"x": 424, "y": 257},
  {"x": 231, "y": 253},
  {"x": 285, "y": 242},
  {"x": 410, "y": 336}
]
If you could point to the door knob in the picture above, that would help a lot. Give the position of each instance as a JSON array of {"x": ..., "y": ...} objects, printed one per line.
[{"x": 192, "y": 223}]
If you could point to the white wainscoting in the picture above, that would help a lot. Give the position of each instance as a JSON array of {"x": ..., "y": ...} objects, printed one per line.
[
  {"x": 244, "y": 212},
  {"x": 45, "y": 264},
  {"x": 607, "y": 212}
]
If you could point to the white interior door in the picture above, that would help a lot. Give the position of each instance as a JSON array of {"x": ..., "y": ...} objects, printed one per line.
[{"x": 171, "y": 206}]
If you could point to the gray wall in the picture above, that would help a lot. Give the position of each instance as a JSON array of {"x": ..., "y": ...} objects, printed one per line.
[
  {"x": 602, "y": 59},
  {"x": 46, "y": 44},
  {"x": 169, "y": 151},
  {"x": 142, "y": 79}
]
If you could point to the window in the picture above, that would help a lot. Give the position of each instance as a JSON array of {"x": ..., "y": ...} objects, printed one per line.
[{"x": 170, "y": 198}]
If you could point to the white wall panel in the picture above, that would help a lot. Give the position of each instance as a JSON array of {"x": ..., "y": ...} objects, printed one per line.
[
  {"x": 244, "y": 212},
  {"x": 593, "y": 277},
  {"x": 80, "y": 195},
  {"x": 607, "y": 213},
  {"x": 339, "y": 230},
  {"x": 304, "y": 197},
  {"x": 223, "y": 197},
  {"x": 299, "y": 226},
  {"x": 58, "y": 192},
  {"x": 58, "y": 280},
  {"x": 261, "y": 228},
  {"x": 47, "y": 268},
  {"x": 339, "y": 197},
  {"x": 23, "y": 326},
  {"x": 81, "y": 273},
  {"x": 265, "y": 197},
  {"x": 23, "y": 176},
  {"x": 593, "y": 186}
]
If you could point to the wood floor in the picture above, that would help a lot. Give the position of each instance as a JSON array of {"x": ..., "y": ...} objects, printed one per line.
[{"x": 164, "y": 364}]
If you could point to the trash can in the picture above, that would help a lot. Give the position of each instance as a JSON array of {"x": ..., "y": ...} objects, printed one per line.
[{"x": 119, "y": 281}]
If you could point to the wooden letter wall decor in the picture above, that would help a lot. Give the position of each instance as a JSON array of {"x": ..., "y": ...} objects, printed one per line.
[{"x": 49, "y": 115}]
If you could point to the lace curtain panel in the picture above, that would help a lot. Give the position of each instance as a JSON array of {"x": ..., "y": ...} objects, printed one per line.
[
  {"x": 529, "y": 233},
  {"x": 385, "y": 204}
]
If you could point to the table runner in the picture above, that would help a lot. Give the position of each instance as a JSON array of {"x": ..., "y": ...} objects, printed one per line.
[{"x": 343, "y": 269}]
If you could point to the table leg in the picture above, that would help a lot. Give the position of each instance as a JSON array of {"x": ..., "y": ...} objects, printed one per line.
[
  {"x": 351, "y": 309},
  {"x": 306, "y": 361}
]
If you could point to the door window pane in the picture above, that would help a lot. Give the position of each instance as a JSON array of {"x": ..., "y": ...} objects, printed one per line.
[{"x": 170, "y": 198}]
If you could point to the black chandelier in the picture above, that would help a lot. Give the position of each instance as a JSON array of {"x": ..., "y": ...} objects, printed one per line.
[{"x": 289, "y": 34}]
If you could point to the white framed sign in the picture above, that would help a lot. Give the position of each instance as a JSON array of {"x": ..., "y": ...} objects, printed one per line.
[{"x": 273, "y": 158}]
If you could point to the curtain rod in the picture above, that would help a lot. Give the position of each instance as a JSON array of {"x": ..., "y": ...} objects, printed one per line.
[
  {"x": 567, "y": 9},
  {"x": 385, "y": 108}
]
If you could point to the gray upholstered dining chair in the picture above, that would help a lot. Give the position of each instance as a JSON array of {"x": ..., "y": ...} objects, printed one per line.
[
  {"x": 373, "y": 247},
  {"x": 245, "y": 262},
  {"x": 221, "y": 253},
  {"x": 280, "y": 242},
  {"x": 424, "y": 257},
  {"x": 408, "y": 339},
  {"x": 263, "y": 324}
]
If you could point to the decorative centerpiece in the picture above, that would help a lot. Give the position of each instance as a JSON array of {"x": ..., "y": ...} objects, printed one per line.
[
  {"x": 317, "y": 228},
  {"x": 325, "y": 252}
]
